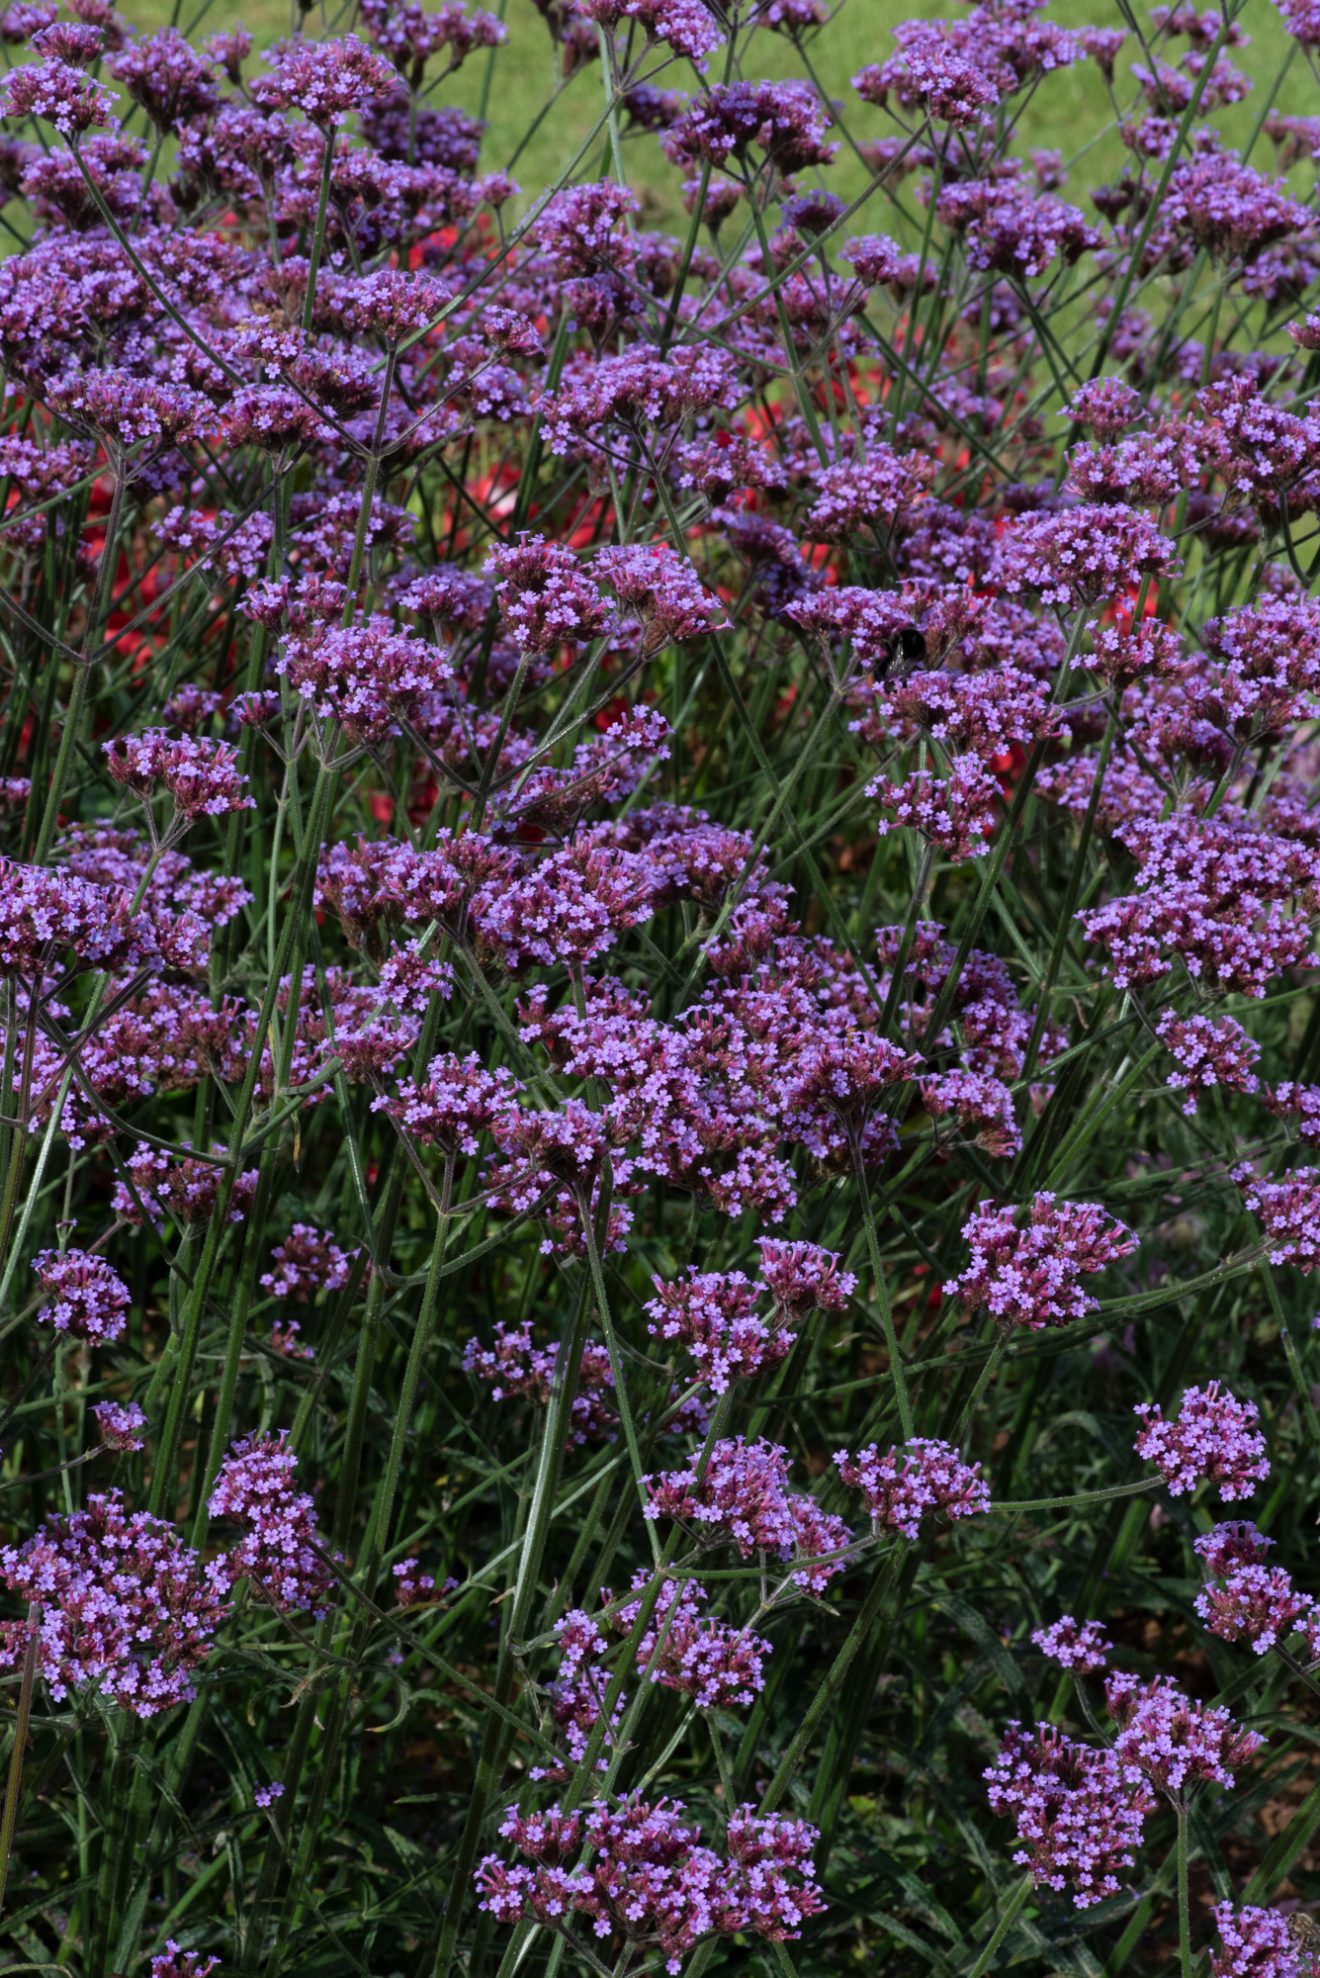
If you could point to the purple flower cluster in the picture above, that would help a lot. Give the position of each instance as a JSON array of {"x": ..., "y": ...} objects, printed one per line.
[
  {"x": 88, "y": 1299},
  {"x": 1256, "y": 1943},
  {"x": 546, "y": 599},
  {"x": 955, "y": 814},
  {"x": 1080, "y": 556},
  {"x": 202, "y": 779},
  {"x": 123, "y": 1606},
  {"x": 1213, "y": 1438},
  {"x": 458, "y": 1101},
  {"x": 1246, "y": 1599},
  {"x": 119, "y": 1425},
  {"x": 802, "y": 1278},
  {"x": 662, "y": 591},
  {"x": 742, "y": 1496},
  {"x": 307, "y": 1263},
  {"x": 1289, "y": 1213},
  {"x": 281, "y": 1551},
  {"x": 185, "y": 1191},
  {"x": 577, "y": 1695},
  {"x": 714, "y": 1315},
  {"x": 717, "y": 1315},
  {"x": 651, "y": 1881},
  {"x": 513, "y": 1367},
  {"x": 365, "y": 677},
  {"x": 1073, "y": 1644},
  {"x": 1079, "y": 1811},
  {"x": 1172, "y": 1741},
  {"x": 1210, "y": 1054},
  {"x": 682, "y": 1649},
  {"x": 175, "y": 1962},
  {"x": 1220, "y": 897},
  {"x": 1030, "y": 1275},
  {"x": 901, "y": 1487}
]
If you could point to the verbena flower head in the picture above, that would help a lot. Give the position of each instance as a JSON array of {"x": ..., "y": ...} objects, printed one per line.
[
  {"x": 686, "y": 26},
  {"x": 1106, "y": 407},
  {"x": 412, "y": 1587},
  {"x": 803, "y": 1278},
  {"x": 662, "y": 591},
  {"x": 126, "y": 1609},
  {"x": 46, "y": 915},
  {"x": 955, "y": 815},
  {"x": 1220, "y": 896},
  {"x": 682, "y": 1649},
  {"x": 1073, "y": 1644},
  {"x": 1030, "y": 1274},
  {"x": 841, "y": 1080},
  {"x": 171, "y": 82},
  {"x": 937, "y": 71},
  {"x": 307, "y": 1263},
  {"x": 175, "y": 1962},
  {"x": 1171, "y": 1740},
  {"x": 1289, "y": 1214},
  {"x": 158, "y": 1188},
  {"x": 1209, "y": 1053},
  {"x": 120, "y": 1424},
  {"x": 410, "y": 35},
  {"x": 652, "y": 1883},
  {"x": 1247, "y": 1600},
  {"x": 86, "y": 1296},
  {"x": 872, "y": 493},
  {"x": 570, "y": 908},
  {"x": 1079, "y": 1812},
  {"x": 1213, "y": 1438},
  {"x": 716, "y": 1316},
  {"x": 130, "y": 415},
  {"x": 56, "y": 92},
  {"x": 202, "y": 778},
  {"x": 783, "y": 121},
  {"x": 1010, "y": 228},
  {"x": 546, "y": 598},
  {"x": 513, "y": 1367},
  {"x": 903, "y": 1485},
  {"x": 365, "y": 676},
  {"x": 744, "y": 1497},
  {"x": 324, "y": 80},
  {"x": 281, "y": 1551},
  {"x": 978, "y": 1107},
  {"x": 456, "y": 1103},
  {"x": 1255, "y": 1943},
  {"x": 577, "y": 1696},
  {"x": 1081, "y": 556}
]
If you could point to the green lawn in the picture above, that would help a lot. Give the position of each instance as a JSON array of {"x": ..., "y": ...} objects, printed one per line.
[{"x": 519, "y": 81}]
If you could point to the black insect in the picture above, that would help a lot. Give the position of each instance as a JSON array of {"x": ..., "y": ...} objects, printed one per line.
[{"x": 907, "y": 645}]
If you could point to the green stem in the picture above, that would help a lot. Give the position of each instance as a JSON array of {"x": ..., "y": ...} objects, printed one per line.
[
  {"x": 14, "y": 1783},
  {"x": 490, "y": 1762},
  {"x": 318, "y": 235},
  {"x": 616, "y": 1358},
  {"x": 1184, "y": 1895},
  {"x": 830, "y": 1685},
  {"x": 377, "y": 1539},
  {"x": 1024, "y": 1504},
  {"x": 73, "y": 716},
  {"x": 1008, "y": 1916},
  {"x": 896, "y": 1374}
]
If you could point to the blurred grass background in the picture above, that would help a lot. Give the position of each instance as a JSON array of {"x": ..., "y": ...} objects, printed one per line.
[{"x": 1070, "y": 111}]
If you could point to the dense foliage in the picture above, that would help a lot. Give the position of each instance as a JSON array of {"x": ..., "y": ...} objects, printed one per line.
[{"x": 658, "y": 1003}]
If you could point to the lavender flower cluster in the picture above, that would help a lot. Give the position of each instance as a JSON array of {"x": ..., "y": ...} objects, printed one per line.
[{"x": 659, "y": 878}]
